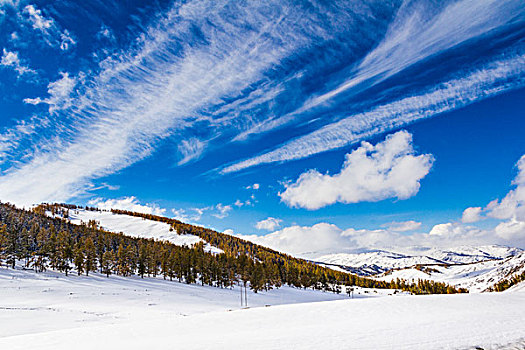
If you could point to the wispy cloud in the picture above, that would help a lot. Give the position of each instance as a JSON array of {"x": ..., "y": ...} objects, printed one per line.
[
  {"x": 206, "y": 71},
  {"x": 494, "y": 78},
  {"x": 145, "y": 95},
  {"x": 48, "y": 28}
]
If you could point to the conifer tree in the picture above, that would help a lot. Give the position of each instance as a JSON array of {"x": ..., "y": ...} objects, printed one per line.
[
  {"x": 78, "y": 259},
  {"x": 91, "y": 255},
  {"x": 108, "y": 262}
]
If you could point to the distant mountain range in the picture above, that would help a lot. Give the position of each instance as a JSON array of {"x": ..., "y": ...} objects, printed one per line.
[{"x": 474, "y": 268}]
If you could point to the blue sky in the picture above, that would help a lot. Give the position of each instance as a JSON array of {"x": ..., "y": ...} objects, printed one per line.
[{"x": 250, "y": 117}]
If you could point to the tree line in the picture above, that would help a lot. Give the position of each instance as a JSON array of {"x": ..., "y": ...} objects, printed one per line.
[{"x": 40, "y": 242}]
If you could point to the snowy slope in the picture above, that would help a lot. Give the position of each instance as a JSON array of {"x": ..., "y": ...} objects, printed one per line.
[
  {"x": 476, "y": 277},
  {"x": 54, "y": 312},
  {"x": 33, "y": 303},
  {"x": 136, "y": 227}
]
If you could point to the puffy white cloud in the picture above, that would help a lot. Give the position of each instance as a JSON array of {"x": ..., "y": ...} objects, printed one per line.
[
  {"x": 403, "y": 226},
  {"x": 268, "y": 224},
  {"x": 513, "y": 204},
  {"x": 255, "y": 186},
  {"x": 127, "y": 203},
  {"x": 511, "y": 229},
  {"x": 60, "y": 93},
  {"x": 325, "y": 238},
  {"x": 511, "y": 209},
  {"x": 228, "y": 231},
  {"x": 390, "y": 169},
  {"x": 472, "y": 214},
  {"x": 11, "y": 59}
]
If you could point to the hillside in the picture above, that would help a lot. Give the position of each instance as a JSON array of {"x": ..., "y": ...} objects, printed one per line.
[{"x": 44, "y": 242}]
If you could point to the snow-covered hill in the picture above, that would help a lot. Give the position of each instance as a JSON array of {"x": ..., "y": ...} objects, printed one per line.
[
  {"x": 51, "y": 311},
  {"x": 135, "y": 226}
]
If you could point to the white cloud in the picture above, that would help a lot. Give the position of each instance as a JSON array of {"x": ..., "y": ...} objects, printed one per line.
[
  {"x": 325, "y": 238},
  {"x": 60, "y": 93},
  {"x": 268, "y": 224},
  {"x": 151, "y": 92},
  {"x": 228, "y": 231},
  {"x": 11, "y": 59},
  {"x": 220, "y": 211},
  {"x": 49, "y": 29},
  {"x": 105, "y": 32},
  {"x": 302, "y": 240},
  {"x": 511, "y": 230},
  {"x": 37, "y": 20},
  {"x": 189, "y": 215},
  {"x": 223, "y": 211},
  {"x": 255, "y": 186},
  {"x": 390, "y": 169},
  {"x": 471, "y": 214},
  {"x": 190, "y": 150},
  {"x": 513, "y": 204},
  {"x": 66, "y": 40},
  {"x": 499, "y": 76},
  {"x": 510, "y": 209},
  {"x": 403, "y": 226},
  {"x": 127, "y": 203}
]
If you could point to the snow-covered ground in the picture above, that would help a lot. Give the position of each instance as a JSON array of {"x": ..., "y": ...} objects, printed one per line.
[
  {"x": 136, "y": 227},
  {"x": 51, "y": 311}
]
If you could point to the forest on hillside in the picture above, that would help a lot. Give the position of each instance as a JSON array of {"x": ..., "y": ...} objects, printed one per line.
[{"x": 35, "y": 240}]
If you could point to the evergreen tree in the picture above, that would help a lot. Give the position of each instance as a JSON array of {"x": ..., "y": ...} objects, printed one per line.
[
  {"x": 107, "y": 262},
  {"x": 78, "y": 258},
  {"x": 91, "y": 255}
]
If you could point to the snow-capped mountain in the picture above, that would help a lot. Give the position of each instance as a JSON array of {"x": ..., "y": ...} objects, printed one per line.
[
  {"x": 476, "y": 277},
  {"x": 474, "y": 268},
  {"x": 379, "y": 261}
]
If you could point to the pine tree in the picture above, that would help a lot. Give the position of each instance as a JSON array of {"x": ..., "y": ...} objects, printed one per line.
[
  {"x": 91, "y": 255},
  {"x": 78, "y": 259},
  {"x": 64, "y": 251},
  {"x": 108, "y": 262}
]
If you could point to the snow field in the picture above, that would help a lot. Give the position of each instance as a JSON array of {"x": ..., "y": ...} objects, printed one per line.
[{"x": 153, "y": 314}]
